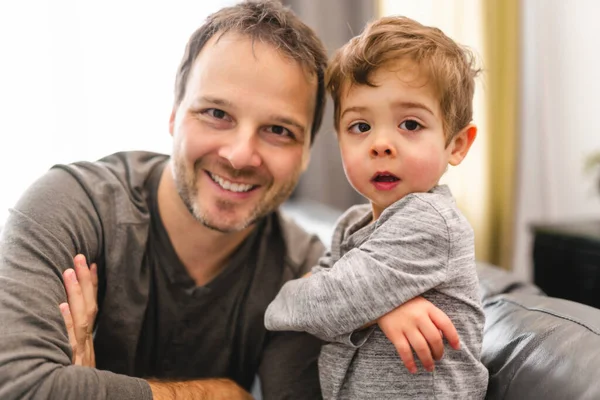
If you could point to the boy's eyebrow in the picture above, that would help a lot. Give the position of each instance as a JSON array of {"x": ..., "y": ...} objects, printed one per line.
[
  {"x": 350, "y": 109},
  {"x": 402, "y": 104},
  {"x": 413, "y": 104}
]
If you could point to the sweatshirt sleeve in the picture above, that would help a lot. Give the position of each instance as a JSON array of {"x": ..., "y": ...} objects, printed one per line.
[
  {"x": 52, "y": 222},
  {"x": 405, "y": 256}
]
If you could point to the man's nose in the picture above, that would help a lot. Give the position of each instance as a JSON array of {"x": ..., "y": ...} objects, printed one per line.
[
  {"x": 241, "y": 150},
  {"x": 382, "y": 147}
]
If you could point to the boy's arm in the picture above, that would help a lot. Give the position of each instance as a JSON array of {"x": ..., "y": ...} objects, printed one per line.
[{"x": 406, "y": 256}]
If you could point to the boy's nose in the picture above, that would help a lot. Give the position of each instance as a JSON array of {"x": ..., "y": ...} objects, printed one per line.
[{"x": 382, "y": 149}]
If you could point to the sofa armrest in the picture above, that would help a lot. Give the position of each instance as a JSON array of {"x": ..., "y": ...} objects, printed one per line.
[
  {"x": 494, "y": 281},
  {"x": 539, "y": 347}
]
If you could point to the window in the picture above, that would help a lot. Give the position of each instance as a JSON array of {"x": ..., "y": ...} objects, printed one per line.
[{"x": 81, "y": 79}]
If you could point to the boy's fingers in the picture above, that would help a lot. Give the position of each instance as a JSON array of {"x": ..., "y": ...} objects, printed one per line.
[
  {"x": 405, "y": 353},
  {"x": 86, "y": 282},
  {"x": 77, "y": 308},
  {"x": 433, "y": 336},
  {"x": 66, "y": 313},
  {"x": 443, "y": 323},
  {"x": 421, "y": 348}
]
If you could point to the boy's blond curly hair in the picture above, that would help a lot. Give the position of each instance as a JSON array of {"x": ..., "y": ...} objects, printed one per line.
[{"x": 448, "y": 67}]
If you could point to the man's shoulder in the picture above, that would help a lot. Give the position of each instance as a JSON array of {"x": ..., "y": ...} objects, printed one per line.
[
  {"x": 124, "y": 166},
  {"x": 303, "y": 249},
  {"x": 118, "y": 185}
]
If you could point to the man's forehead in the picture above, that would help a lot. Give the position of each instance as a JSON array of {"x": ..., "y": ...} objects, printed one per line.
[{"x": 226, "y": 39}]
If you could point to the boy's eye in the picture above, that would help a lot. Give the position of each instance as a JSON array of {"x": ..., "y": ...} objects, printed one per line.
[
  {"x": 359, "y": 127},
  {"x": 410, "y": 125}
]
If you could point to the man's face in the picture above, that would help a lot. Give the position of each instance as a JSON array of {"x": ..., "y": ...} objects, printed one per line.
[{"x": 241, "y": 135}]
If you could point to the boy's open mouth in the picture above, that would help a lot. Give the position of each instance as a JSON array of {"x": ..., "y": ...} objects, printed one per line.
[{"x": 384, "y": 177}]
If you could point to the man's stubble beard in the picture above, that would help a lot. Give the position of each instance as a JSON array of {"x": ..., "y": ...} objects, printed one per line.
[{"x": 188, "y": 192}]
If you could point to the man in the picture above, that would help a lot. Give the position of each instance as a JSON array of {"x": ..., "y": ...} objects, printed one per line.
[{"x": 189, "y": 250}]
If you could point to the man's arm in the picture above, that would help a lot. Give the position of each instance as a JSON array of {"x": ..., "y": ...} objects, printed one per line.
[
  {"x": 54, "y": 220},
  {"x": 403, "y": 259},
  {"x": 79, "y": 313}
]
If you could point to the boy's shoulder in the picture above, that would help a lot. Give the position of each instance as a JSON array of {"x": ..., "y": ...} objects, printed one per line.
[
  {"x": 353, "y": 215},
  {"x": 437, "y": 205}
]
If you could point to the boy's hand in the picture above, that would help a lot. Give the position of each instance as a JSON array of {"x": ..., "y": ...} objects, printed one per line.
[
  {"x": 80, "y": 311},
  {"x": 419, "y": 325}
]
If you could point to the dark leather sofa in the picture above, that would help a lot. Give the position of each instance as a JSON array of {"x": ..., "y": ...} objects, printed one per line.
[{"x": 535, "y": 346}]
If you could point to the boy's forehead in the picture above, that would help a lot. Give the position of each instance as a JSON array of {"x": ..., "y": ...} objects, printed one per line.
[{"x": 398, "y": 74}]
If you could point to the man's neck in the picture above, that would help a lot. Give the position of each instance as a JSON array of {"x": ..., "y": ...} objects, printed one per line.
[{"x": 203, "y": 251}]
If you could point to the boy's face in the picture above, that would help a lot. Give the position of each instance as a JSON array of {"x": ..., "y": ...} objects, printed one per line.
[
  {"x": 391, "y": 136},
  {"x": 241, "y": 135}
]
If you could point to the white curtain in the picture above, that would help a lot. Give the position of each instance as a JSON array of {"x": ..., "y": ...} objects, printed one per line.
[
  {"x": 80, "y": 79},
  {"x": 559, "y": 129}
]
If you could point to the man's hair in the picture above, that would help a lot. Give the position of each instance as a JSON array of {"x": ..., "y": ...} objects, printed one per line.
[
  {"x": 268, "y": 22},
  {"x": 448, "y": 67}
]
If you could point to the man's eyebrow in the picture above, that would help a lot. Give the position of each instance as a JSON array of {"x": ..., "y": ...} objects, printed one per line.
[
  {"x": 226, "y": 103},
  {"x": 213, "y": 100},
  {"x": 288, "y": 121}
]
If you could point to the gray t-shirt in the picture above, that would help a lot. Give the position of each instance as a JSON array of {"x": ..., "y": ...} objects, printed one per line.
[
  {"x": 153, "y": 321},
  {"x": 420, "y": 245}
]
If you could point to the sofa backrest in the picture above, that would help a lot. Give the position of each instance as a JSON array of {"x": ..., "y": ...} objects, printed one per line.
[{"x": 539, "y": 347}]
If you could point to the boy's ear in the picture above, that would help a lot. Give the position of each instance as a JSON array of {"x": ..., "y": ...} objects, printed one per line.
[{"x": 461, "y": 143}]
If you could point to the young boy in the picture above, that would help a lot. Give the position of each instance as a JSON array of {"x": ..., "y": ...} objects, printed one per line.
[{"x": 403, "y": 108}]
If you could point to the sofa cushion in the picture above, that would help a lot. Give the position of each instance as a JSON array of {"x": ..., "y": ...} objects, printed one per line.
[
  {"x": 539, "y": 347},
  {"x": 494, "y": 281}
]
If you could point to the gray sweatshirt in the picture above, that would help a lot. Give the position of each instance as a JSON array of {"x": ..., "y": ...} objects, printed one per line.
[
  {"x": 153, "y": 320},
  {"x": 420, "y": 245}
]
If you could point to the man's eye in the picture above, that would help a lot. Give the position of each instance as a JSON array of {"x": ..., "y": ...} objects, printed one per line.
[
  {"x": 280, "y": 131},
  {"x": 410, "y": 125},
  {"x": 216, "y": 113},
  {"x": 359, "y": 127}
]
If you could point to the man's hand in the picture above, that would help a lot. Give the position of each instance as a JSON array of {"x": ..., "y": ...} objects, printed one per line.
[
  {"x": 80, "y": 312},
  {"x": 419, "y": 325}
]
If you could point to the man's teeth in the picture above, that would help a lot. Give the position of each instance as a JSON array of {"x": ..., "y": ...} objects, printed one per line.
[{"x": 227, "y": 185}]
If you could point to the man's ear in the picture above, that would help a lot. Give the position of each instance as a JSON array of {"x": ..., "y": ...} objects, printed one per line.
[
  {"x": 461, "y": 143},
  {"x": 172, "y": 120},
  {"x": 305, "y": 160}
]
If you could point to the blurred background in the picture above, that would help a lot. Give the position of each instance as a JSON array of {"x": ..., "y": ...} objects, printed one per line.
[{"x": 80, "y": 79}]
